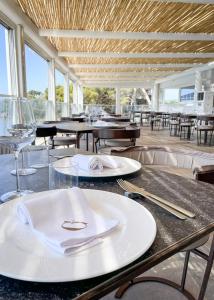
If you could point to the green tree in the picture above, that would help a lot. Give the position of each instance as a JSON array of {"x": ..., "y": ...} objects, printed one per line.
[
  {"x": 32, "y": 94},
  {"x": 102, "y": 96},
  {"x": 59, "y": 93},
  {"x": 71, "y": 92}
]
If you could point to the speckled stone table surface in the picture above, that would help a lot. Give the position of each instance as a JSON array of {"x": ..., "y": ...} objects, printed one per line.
[{"x": 172, "y": 234}]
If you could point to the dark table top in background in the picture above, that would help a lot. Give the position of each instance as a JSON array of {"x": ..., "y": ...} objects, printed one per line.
[{"x": 172, "y": 234}]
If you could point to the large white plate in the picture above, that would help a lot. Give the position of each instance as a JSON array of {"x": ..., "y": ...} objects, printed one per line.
[
  {"x": 127, "y": 166},
  {"x": 24, "y": 256}
]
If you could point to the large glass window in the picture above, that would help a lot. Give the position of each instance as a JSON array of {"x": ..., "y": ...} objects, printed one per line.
[
  {"x": 187, "y": 93},
  {"x": 171, "y": 95},
  {"x": 102, "y": 98},
  {"x": 36, "y": 75},
  {"x": 59, "y": 86},
  {"x": 126, "y": 96},
  {"x": 3, "y": 62}
]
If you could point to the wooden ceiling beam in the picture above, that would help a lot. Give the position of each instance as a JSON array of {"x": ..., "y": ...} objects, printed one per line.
[
  {"x": 112, "y": 35},
  {"x": 136, "y": 55},
  {"x": 145, "y": 73},
  {"x": 187, "y": 1},
  {"x": 126, "y": 66}
]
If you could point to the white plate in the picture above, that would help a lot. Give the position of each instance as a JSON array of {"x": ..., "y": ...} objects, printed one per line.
[
  {"x": 127, "y": 166},
  {"x": 107, "y": 125},
  {"x": 24, "y": 256}
]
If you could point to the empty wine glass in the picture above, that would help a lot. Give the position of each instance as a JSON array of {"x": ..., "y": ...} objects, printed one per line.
[{"x": 17, "y": 130}]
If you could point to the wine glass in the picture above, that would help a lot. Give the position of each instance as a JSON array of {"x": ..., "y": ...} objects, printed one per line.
[{"x": 17, "y": 130}]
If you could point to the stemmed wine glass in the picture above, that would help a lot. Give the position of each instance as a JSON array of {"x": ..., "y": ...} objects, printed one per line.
[{"x": 17, "y": 130}]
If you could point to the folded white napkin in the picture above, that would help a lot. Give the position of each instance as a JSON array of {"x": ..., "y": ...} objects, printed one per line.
[
  {"x": 101, "y": 123},
  {"x": 95, "y": 162},
  {"x": 45, "y": 214}
]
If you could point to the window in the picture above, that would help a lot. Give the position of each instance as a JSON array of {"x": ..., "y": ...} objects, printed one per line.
[
  {"x": 171, "y": 95},
  {"x": 36, "y": 75},
  {"x": 4, "y": 83},
  {"x": 59, "y": 86},
  {"x": 187, "y": 93},
  {"x": 126, "y": 96}
]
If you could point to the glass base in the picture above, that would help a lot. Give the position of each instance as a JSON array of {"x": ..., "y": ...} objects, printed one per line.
[
  {"x": 14, "y": 195},
  {"x": 24, "y": 172},
  {"x": 39, "y": 166}
]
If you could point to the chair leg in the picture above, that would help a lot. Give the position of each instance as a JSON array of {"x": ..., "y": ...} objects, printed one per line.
[
  {"x": 211, "y": 135},
  {"x": 184, "y": 275}
]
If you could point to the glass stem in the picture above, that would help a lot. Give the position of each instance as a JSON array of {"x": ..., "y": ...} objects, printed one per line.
[
  {"x": 16, "y": 154},
  {"x": 22, "y": 153}
]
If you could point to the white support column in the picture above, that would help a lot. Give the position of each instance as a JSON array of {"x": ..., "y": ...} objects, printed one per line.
[
  {"x": 118, "y": 106},
  {"x": 155, "y": 97},
  {"x": 66, "y": 94},
  {"x": 198, "y": 87},
  {"x": 80, "y": 98},
  {"x": 11, "y": 62},
  {"x": 51, "y": 109},
  {"x": 20, "y": 60},
  {"x": 75, "y": 98}
]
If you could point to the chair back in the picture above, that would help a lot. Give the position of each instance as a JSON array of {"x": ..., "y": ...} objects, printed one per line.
[
  {"x": 106, "y": 133},
  {"x": 46, "y": 131}
]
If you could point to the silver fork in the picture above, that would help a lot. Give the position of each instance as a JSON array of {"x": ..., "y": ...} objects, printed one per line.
[
  {"x": 129, "y": 189},
  {"x": 161, "y": 200}
]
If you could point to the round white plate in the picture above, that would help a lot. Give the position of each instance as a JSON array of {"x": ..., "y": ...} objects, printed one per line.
[
  {"x": 127, "y": 166},
  {"x": 24, "y": 256}
]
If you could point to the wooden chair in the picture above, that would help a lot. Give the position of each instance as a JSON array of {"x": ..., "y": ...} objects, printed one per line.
[
  {"x": 116, "y": 137},
  {"x": 205, "y": 126},
  {"x": 174, "y": 124},
  {"x": 186, "y": 125},
  {"x": 204, "y": 173},
  {"x": 55, "y": 140}
]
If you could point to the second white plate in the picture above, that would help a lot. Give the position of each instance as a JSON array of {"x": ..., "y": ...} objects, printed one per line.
[{"x": 127, "y": 166}]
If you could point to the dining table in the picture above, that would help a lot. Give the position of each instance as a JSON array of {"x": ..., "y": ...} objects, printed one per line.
[
  {"x": 173, "y": 234},
  {"x": 79, "y": 129}
]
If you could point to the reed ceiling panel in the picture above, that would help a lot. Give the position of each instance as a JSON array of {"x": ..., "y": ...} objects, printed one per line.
[
  {"x": 120, "y": 15},
  {"x": 133, "y": 46}
]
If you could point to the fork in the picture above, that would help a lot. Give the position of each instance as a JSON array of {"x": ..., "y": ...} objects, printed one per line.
[
  {"x": 163, "y": 201},
  {"x": 129, "y": 189}
]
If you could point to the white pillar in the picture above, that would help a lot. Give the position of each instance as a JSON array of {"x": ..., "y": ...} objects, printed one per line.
[
  {"x": 66, "y": 95},
  {"x": 11, "y": 62},
  {"x": 80, "y": 98},
  {"x": 155, "y": 97},
  {"x": 20, "y": 61},
  {"x": 51, "y": 109},
  {"x": 198, "y": 87},
  {"x": 118, "y": 106},
  {"x": 75, "y": 98}
]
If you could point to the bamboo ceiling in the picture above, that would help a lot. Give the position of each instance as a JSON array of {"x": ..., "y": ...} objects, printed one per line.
[
  {"x": 124, "y": 16},
  {"x": 96, "y": 45}
]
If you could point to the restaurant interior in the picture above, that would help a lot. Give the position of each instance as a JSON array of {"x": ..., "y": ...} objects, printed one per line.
[{"x": 107, "y": 150}]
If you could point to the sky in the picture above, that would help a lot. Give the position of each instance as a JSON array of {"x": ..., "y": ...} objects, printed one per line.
[
  {"x": 36, "y": 69},
  {"x": 3, "y": 66}
]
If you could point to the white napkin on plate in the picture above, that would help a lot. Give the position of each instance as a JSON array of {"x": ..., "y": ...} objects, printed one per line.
[
  {"x": 45, "y": 215},
  {"x": 95, "y": 162}
]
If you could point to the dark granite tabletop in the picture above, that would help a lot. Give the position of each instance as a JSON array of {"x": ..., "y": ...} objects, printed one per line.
[{"x": 172, "y": 234}]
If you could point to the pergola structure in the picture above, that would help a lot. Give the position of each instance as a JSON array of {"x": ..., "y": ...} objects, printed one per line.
[{"x": 123, "y": 43}]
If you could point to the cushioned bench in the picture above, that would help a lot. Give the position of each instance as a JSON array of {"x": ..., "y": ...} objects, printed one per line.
[{"x": 172, "y": 158}]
